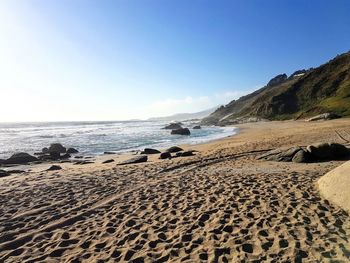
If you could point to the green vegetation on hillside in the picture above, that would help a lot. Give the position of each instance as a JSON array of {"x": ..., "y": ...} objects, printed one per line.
[{"x": 323, "y": 89}]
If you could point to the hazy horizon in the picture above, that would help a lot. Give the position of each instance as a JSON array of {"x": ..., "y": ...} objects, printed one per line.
[{"x": 121, "y": 60}]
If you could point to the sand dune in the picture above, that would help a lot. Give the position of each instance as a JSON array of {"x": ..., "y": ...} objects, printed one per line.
[{"x": 221, "y": 205}]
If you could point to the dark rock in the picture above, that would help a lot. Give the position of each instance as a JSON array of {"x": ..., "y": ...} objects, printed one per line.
[
  {"x": 277, "y": 80},
  {"x": 327, "y": 151},
  {"x": 138, "y": 159},
  {"x": 57, "y": 147},
  {"x": 301, "y": 157},
  {"x": 108, "y": 161},
  {"x": 65, "y": 156},
  {"x": 72, "y": 150},
  {"x": 150, "y": 151},
  {"x": 187, "y": 153},
  {"x": 3, "y": 173},
  {"x": 21, "y": 158},
  {"x": 55, "y": 155},
  {"x": 174, "y": 149},
  {"x": 173, "y": 126},
  {"x": 165, "y": 155},
  {"x": 182, "y": 131},
  {"x": 197, "y": 127},
  {"x": 54, "y": 168},
  {"x": 45, "y": 150},
  {"x": 109, "y": 153}
]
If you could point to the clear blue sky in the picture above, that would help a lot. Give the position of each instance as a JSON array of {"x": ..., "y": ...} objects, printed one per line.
[{"x": 121, "y": 59}]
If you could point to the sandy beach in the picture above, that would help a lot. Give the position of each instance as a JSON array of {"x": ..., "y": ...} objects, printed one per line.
[{"x": 221, "y": 205}]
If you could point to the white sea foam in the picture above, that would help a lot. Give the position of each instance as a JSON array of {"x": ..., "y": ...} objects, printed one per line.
[{"x": 94, "y": 138}]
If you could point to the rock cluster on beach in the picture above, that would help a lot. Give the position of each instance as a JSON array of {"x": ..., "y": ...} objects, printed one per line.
[
  {"x": 177, "y": 129},
  {"x": 312, "y": 153},
  {"x": 169, "y": 153},
  {"x": 56, "y": 151}
]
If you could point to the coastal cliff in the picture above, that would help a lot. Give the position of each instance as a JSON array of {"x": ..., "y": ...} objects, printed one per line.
[{"x": 304, "y": 93}]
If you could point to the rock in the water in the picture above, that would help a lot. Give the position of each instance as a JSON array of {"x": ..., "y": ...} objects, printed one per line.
[
  {"x": 54, "y": 168},
  {"x": 182, "y": 131},
  {"x": 165, "y": 155},
  {"x": 21, "y": 158},
  {"x": 138, "y": 159},
  {"x": 108, "y": 161},
  {"x": 197, "y": 127},
  {"x": 173, "y": 126},
  {"x": 45, "y": 150},
  {"x": 174, "y": 149},
  {"x": 57, "y": 147},
  {"x": 150, "y": 151},
  {"x": 3, "y": 173},
  {"x": 72, "y": 150},
  {"x": 324, "y": 116},
  {"x": 327, "y": 151},
  {"x": 301, "y": 157}
]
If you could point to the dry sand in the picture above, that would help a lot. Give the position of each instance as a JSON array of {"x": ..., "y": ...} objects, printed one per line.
[
  {"x": 221, "y": 205},
  {"x": 335, "y": 186}
]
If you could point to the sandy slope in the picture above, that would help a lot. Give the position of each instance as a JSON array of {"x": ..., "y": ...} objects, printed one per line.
[{"x": 220, "y": 206}]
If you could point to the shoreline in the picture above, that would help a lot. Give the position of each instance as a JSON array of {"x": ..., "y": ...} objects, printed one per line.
[{"x": 221, "y": 204}]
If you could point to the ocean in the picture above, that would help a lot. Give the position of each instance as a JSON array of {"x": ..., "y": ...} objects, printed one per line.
[{"x": 94, "y": 138}]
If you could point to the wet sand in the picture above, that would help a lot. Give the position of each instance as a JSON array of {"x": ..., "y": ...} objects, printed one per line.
[{"x": 221, "y": 205}]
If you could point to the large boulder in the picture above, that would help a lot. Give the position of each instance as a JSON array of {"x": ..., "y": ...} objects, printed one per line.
[
  {"x": 45, "y": 150},
  {"x": 327, "y": 151},
  {"x": 281, "y": 155},
  {"x": 301, "y": 157},
  {"x": 57, "y": 147},
  {"x": 182, "y": 131},
  {"x": 72, "y": 150},
  {"x": 173, "y": 126},
  {"x": 197, "y": 127},
  {"x": 21, "y": 158},
  {"x": 138, "y": 159},
  {"x": 174, "y": 149},
  {"x": 150, "y": 151},
  {"x": 165, "y": 155}
]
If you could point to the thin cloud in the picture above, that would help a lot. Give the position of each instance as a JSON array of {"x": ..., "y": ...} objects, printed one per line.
[{"x": 191, "y": 104}]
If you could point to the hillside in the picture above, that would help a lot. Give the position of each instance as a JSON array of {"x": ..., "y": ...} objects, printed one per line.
[{"x": 303, "y": 94}]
